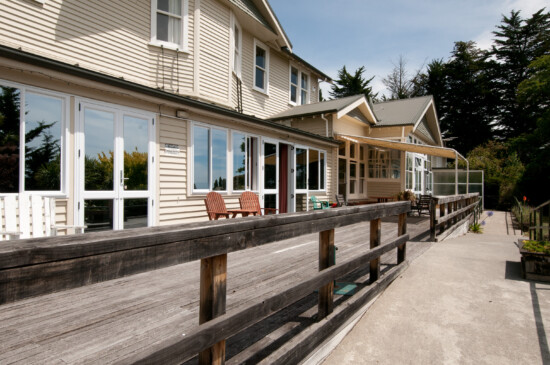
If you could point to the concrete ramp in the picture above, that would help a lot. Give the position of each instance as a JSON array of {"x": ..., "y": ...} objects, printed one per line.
[{"x": 461, "y": 302}]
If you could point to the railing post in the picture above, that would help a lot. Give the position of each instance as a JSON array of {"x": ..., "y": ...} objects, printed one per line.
[
  {"x": 442, "y": 214},
  {"x": 401, "y": 230},
  {"x": 212, "y": 302},
  {"x": 375, "y": 232},
  {"x": 326, "y": 259},
  {"x": 433, "y": 207},
  {"x": 541, "y": 237}
]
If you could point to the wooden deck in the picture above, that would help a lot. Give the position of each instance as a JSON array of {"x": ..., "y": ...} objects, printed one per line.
[{"x": 105, "y": 322}]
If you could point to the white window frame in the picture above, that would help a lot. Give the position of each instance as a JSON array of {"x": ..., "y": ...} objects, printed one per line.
[
  {"x": 257, "y": 156},
  {"x": 183, "y": 44},
  {"x": 306, "y": 90},
  {"x": 258, "y": 44},
  {"x": 298, "y": 86},
  {"x": 64, "y": 173},
  {"x": 228, "y": 158},
  {"x": 236, "y": 47},
  {"x": 319, "y": 152}
]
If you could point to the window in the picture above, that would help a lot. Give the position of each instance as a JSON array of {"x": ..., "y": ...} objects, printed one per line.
[
  {"x": 209, "y": 159},
  {"x": 384, "y": 164},
  {"x": 304, "y": 89},
  {"x": 409, "y": 172},
  {"x": 299, "y": 87},
  {"x": 38, "y": 116},
  {"x": 169, "y": 23},
  {"x": 261, "y": 67},
  {"x": 245, "y": 162},
  {"x": 237, "y": 48},
  {"x": 293, "y": 85}
]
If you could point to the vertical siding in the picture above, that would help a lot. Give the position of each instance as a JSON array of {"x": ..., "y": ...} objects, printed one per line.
[
  {"x": 214, "y": 50},
  {"x": 96, "y": 35}
]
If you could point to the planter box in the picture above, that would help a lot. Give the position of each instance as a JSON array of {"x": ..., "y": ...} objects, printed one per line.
[{"x": 534, "y": 265}]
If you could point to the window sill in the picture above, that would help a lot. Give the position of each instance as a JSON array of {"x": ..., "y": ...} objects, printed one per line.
[
  {"x": 170, "y": 46},
  {"x": 261, "y": 91}
]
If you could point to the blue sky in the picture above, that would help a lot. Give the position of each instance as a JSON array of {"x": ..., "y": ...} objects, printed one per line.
[{"x": 329, "y": 34}]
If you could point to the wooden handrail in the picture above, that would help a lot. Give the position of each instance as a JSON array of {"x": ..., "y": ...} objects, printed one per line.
[
  {"x": 38, "y": 266},
  {"x": 454, "y": 211}
]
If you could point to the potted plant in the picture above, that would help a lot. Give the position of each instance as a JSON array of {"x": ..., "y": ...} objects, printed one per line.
[{"x": 535, "y": 259}]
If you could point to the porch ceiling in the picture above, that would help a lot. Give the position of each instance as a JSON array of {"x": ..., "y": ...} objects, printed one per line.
[{"x": 401, "y": 146}]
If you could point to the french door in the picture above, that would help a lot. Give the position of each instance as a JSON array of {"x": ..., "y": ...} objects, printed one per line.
[{"x": 114, "y": 176}]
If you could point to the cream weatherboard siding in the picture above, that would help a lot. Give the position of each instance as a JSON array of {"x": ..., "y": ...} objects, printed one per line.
[
  {"x": 214, "y": 51},
  {"x": 97, "y": 35},
  {"x": 277, "y": 98}
]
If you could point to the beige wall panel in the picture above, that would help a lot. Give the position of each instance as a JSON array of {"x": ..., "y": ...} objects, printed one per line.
[
  {"x": 214, "y": 50},
  {"x": 354, "y": 129},
  {"x": 316, "y": 125}
]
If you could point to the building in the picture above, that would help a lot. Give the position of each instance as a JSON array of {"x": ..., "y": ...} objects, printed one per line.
[
  {"x": 385, "y": 147},
  {"x": 129, "y": 121}
]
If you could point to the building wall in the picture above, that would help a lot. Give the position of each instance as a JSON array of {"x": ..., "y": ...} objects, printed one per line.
[{"x": 100, "y": 36}]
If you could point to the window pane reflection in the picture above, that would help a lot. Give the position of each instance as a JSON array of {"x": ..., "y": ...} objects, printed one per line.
[
  {"x": 270, "y": 166},
  {"x": 99, "y": 136},
  {"x": 9, "y": 135},
  {"x": 239, "y": 161},
  {"x": 98, "y": 215},
  {"x": 136, "y": 147},
  {"x": 219, "y": 160},
  {"x": 135, "y": 213},
  {"x": 301, "y": 168},
  {"x": 200, "y": 158},
  {"x": 313, "y": 170}
]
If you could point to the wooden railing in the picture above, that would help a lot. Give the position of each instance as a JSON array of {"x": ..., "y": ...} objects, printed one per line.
[
  {"x": 34, "y": 267},
  {"x": 448, "y": 213},
  {"x": 540, "y": 222}
]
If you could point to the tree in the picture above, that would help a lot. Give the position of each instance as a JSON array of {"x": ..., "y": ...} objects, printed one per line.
[
  {"x": 462, "y": 91},
  {"x": 518, "y": 42},
  {"x": 503, "y": 170},
  {"x": 534, "y": 147},
  {"x": 400, "y": 84},
  {"x": 349, "y": 85}
]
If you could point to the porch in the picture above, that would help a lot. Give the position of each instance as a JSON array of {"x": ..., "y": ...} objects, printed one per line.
[{"x": 111, "y": 321}]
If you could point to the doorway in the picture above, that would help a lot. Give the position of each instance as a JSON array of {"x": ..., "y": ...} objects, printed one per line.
[{"x": 114, "y": 175}]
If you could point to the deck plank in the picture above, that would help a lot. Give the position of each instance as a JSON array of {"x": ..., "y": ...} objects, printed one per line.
[{"x": 104, "y": 322}]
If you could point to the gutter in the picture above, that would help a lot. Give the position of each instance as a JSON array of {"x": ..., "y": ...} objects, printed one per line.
[{"x": 35, "y": 60}]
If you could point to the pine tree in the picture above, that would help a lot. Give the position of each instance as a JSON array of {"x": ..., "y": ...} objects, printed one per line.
[
  {"x": 518, "y": 42},
  {"x": 349, "y": 85}
]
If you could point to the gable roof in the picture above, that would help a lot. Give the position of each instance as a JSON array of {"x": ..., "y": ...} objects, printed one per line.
[
  {"x": 402, "y": 111},
  {"x": 262, "y": 13},
  {"x": 341, "y": 107},
  {"x": 419, "y": 112}
]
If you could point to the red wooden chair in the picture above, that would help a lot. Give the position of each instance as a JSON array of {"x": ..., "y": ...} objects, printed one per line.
[
  {"x": 215, "y": 207},
  {"x": 249, "y": 201}
]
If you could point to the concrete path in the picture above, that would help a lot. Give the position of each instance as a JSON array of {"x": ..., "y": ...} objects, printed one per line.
[{"x": 461, "y": 302}]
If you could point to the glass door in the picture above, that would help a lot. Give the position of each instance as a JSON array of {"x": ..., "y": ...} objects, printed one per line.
[
  {"x": 113, "y": 177},
  {"x": 270, "y": 178},
  {"x": 301, "y": 197}
]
